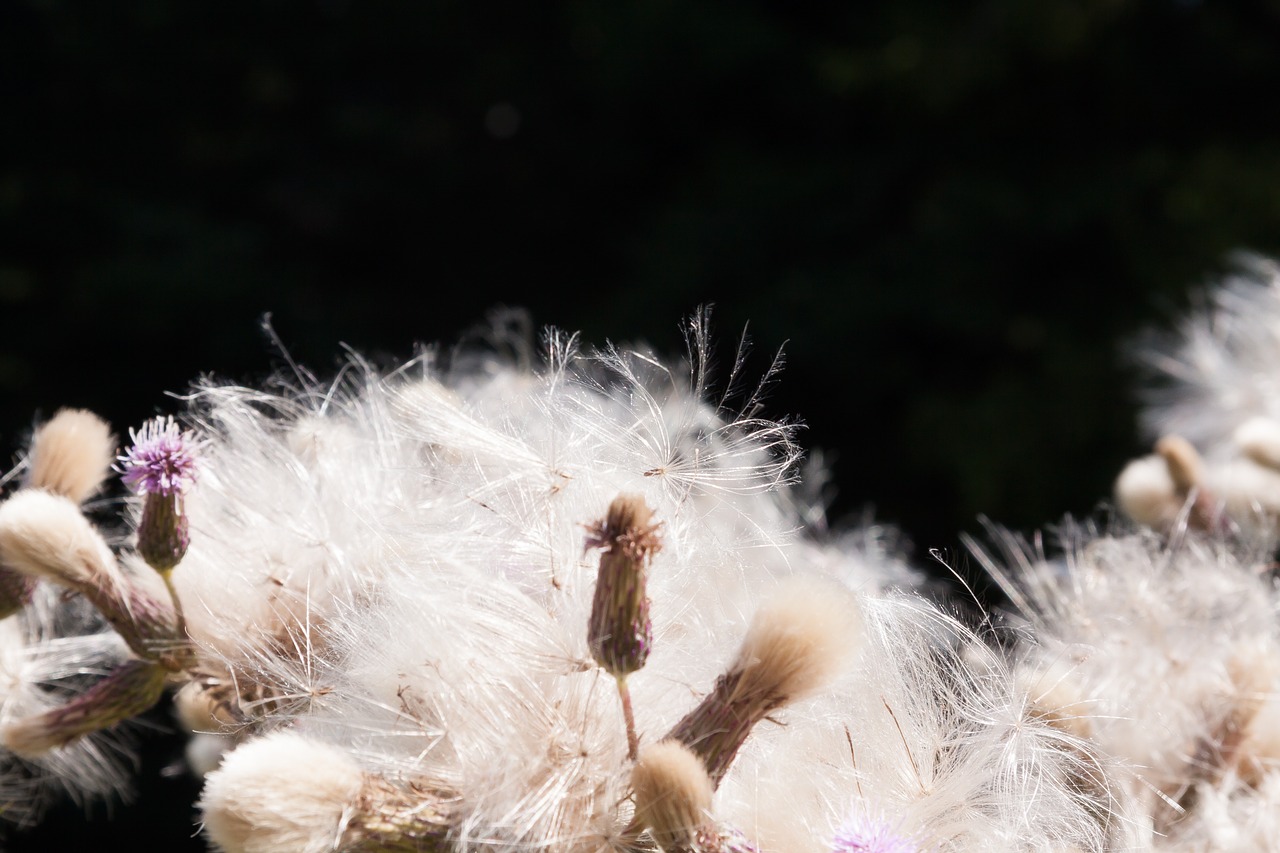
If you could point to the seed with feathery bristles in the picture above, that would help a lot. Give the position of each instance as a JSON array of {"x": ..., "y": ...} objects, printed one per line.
[{"x": 797, "y": 642}]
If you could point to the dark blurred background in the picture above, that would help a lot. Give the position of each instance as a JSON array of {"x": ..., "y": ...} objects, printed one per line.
[{"x": 953, "y": 214}]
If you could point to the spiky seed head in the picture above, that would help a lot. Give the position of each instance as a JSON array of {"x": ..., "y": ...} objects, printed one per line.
[
  {"x": 161, "y": 464},
  {"x": 798, "y": 640},
  {"x": 70, "y": 454},
  {"x": 672, "y": 794}
]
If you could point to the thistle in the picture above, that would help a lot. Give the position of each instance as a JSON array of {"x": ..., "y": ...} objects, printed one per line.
[
  {"x": 161, "y": 464},
  {"x": 619, "y": 632},
  {"x": 796, "y": 643}
]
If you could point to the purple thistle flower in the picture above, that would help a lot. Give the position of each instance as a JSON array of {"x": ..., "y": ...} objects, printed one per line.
[
  {"x": 865, "y": 834},
  {"x": 162, "y": 460}
]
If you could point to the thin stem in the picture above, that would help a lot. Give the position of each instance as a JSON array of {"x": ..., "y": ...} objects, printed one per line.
[
  {"x": 177, "y": 605},
  {"x": 633, "y": 740}
]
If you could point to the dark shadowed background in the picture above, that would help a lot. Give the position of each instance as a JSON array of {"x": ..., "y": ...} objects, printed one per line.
[{"x": 951, "y": 213}]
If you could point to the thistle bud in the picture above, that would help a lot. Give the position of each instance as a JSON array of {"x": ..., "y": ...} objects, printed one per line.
[
  {"x": 130, "y": 689},
  {"x": 162, "y": 532},
  {"x": 161, "y": 465},
  {"x": 797, "y": 642},
  {"x": 619, "y": 633}
]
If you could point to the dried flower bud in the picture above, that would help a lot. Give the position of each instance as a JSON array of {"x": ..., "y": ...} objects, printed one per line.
[
  {"x": 796, "y": 643},
  {"x": 70, "y": 454},
  {"x": 130, "y": 689},
  {"x": 619, "y": 632},
  {"x": 284, "y": 792}
]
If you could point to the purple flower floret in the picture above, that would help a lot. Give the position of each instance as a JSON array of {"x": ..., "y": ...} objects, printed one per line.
[
  {"x": 162, "y": 460},
  {"x": 865, "y": 834}
]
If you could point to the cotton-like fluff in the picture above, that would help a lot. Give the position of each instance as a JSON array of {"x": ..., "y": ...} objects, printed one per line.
[
  {"x": 927, "y": 744},
  {"x": 53, "y": 650},
  {"x": 1219, "y": 370},
  {"x": 1164, "y": 652},
  {"x": 54, "y": 646},
  {"x": 1215, "y": 390},
  {"x": 400, "y": 565}
]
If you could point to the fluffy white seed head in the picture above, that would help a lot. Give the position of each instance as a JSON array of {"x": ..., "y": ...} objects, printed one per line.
[
  {"x": 281, "y": 793},
  {"x": 71, "y": 454}
]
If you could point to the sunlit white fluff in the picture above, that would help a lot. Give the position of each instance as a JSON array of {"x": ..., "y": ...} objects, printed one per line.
[
  {"x": 1164, "y": 652},
  {"x": 1219, "y": 370},
  {"x": 55, "y": 648},
  {"x": 395, "y": 563},
  {"x": 932, "y": 737}
]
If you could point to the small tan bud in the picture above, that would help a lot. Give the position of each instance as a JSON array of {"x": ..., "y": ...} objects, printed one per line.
[
  {"x": 672, "y": 794},
  {"x": 1185, "y": 466},
  {"x": 1259, "y": 439}
]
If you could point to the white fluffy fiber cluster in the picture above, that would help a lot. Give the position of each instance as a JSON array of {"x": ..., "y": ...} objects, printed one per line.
[
  {"x": 1217, "y": 395},
  {"x": 392, "y": 570},
  {"x": 53, "y": 650}
]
